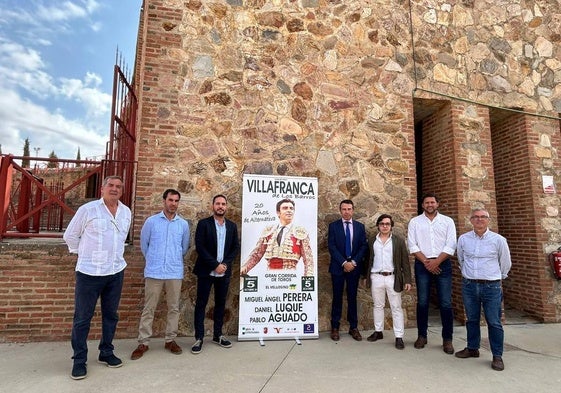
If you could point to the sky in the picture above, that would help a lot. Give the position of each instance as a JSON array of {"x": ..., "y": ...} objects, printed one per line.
[{"x": 56, "y": 73}]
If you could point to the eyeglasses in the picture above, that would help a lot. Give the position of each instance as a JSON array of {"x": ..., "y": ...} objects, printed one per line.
[
  {"x": 385, "y": 224},
  {"x": 479, "y": 217}
]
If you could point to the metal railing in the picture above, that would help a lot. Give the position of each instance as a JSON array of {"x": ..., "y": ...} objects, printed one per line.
[{"x": 39, "y": 201}]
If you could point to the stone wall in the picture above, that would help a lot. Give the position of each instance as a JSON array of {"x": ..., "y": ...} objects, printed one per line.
[{"x": 335, "y": 90}]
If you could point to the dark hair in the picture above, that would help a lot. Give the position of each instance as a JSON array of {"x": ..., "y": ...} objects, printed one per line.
[
  {"x": 219, "y": 196},
  {"x": 347, "y": 202},
  {"x": 429, "y": 195},
  {"x": 172, "y": 192},
  {"x": 382, "y": 216},
  {"x": 285, "y": 200}
]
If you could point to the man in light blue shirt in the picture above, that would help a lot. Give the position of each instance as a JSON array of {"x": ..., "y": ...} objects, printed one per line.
[
  {"x": 164, "y": 240},
  {"x": 484, "y": 258}
]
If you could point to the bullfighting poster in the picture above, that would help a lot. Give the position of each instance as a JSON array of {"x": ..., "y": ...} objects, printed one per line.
[{"x": 278, "y": 264}]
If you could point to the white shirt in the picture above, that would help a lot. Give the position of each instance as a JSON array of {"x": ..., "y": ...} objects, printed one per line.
[
  {"x": 431, "y": 237},
  {"x": 98, "y": 238},
  {"x": 383, "y": 255},
  {"x": 484, "y": 258}
]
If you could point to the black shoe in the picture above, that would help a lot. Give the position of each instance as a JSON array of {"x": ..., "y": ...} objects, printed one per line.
[
  {"x": 375, "y": 336},
  {"x": 111, "y": 361},
  {"x": 79, "y": 371},
  {"x": 222, "y": 342},
  {"x": 399, "y": 343},
  {"x": 197, "y": 347},
  {"x": 467, "y": 353}
]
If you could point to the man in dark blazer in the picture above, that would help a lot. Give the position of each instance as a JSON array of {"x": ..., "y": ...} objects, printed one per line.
[
  {"x": 217, "y": 244},
  {"x": 346, "y": 266}
]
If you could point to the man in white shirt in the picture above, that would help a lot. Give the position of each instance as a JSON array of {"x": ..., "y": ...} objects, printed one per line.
[
  {"x": 97, "y": 233},
  {"x": 484, "y": 259},
  {"x": 390, "y": 273},
  {"x": 432, "y": 240}
]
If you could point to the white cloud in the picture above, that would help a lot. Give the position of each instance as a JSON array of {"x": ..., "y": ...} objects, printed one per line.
[
  {"x": 95, "y": 102},
  {"x": 67, "y": 10},
  {"x": 48, "y": 131}
]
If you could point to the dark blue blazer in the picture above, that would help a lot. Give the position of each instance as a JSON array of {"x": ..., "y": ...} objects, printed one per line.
[
  {"x": 336, "y": 245},
  {"x": 206, "y": 243}
]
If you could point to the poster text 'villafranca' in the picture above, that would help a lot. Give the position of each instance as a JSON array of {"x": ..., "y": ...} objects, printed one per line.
[{"x": 278, "y": 186}]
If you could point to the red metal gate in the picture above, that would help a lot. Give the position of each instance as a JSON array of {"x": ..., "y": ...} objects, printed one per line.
[{"x": 39, "y": 201}]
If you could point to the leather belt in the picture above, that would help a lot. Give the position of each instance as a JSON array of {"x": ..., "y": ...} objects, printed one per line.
[
  {"x": 482, "y": 281},
  {"x": 384, "y": 273}
]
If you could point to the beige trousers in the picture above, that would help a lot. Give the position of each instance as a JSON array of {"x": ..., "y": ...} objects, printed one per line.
[{"x": 152, "y": 290}]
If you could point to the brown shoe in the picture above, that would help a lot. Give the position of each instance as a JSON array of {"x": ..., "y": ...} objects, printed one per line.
[
  {"x": 448, "y": 347},
  {"x": 173, "y": 347},
  {"x": 139, "y": 351},
  {"x": 421, "y": 342},
  {"x": 467, "y": 353},
  {"x": 335, "y": 334},
  {"x": 375, "y": 336},
  {"x": 399, "y": 343},
  {"x": 497, "y": 363},
  {"x": 355, "y": 334}
]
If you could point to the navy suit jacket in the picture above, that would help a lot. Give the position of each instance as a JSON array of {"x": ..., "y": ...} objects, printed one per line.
[
  {"x": 206, "y": 243},
  {"x": 336, "y": 245}
]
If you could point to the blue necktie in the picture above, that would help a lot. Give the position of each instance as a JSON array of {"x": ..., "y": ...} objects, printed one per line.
[{"x": 347, "y": 239}]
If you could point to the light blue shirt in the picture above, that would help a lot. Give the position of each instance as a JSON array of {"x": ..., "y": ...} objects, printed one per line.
[
  {"x": 98, "y": 238},
  {"x": 220, "y": 242},
  {"x": 484, "y": 258},
  {"x": 164, "y": 243}
]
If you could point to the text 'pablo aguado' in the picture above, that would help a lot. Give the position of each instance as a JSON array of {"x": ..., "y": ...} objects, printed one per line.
[{"x": 286, "y": 308}]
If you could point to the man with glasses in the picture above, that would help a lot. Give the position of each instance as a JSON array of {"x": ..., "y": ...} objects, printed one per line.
[
  {"x": 432, "y": 239},
  {"x": 484, "y": 259},
  {"x": 390, "y": 273}
]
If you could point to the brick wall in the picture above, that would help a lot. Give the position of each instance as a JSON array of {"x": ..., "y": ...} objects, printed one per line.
[
  {"x": 37, "y": 292},
  {"x": 457, "y": 165},
  {"x": 519, "y": 211}
]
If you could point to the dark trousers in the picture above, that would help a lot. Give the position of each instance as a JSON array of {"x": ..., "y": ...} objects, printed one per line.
[
  {"x": 351, "y": 279},
  {"x": 88, "y": 290},
  {"x": 443, "y": 282},
  {"x": 204, "y": 285}
]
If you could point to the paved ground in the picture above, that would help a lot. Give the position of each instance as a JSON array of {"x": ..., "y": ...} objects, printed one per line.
[{"x": 532, "y": 364}]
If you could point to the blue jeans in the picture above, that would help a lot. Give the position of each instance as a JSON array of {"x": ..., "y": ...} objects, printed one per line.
[
  {"x": 204, "y": 285},
  {"x": 443, "y": 281},
  {"x": 88, "y": 290},
  {"x": 490, "y": 296}
]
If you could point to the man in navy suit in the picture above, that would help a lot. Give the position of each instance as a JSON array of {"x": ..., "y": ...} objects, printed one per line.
[
  {"x": 216, "y": 240},
  {"x": 348, "y": 247}
]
